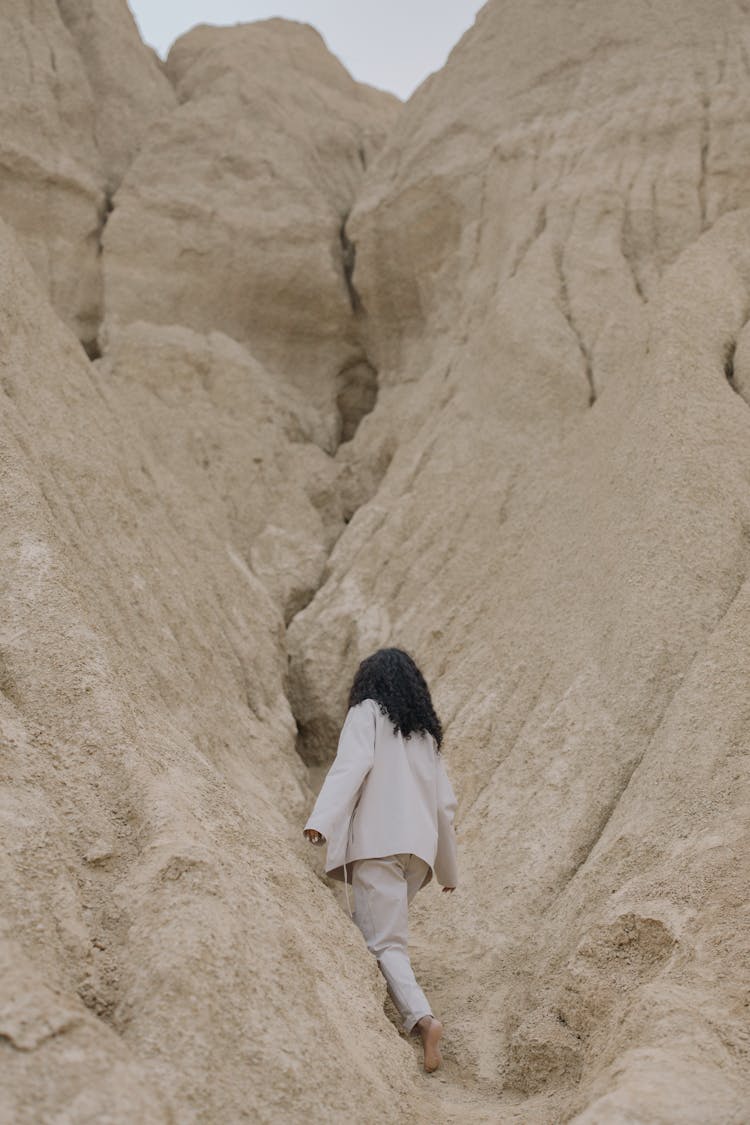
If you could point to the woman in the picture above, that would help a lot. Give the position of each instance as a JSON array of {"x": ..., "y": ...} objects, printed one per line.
[{"x": 386, "y": 809}]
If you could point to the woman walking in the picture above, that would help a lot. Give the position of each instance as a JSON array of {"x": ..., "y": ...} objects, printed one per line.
[{"x": 386, "y": 810}]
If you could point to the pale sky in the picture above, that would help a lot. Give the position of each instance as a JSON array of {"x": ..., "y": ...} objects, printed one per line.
[{"x": 393, "y": 44}]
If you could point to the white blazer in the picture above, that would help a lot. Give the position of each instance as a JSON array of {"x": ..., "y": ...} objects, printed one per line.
[{"x": 385, "y": 794}]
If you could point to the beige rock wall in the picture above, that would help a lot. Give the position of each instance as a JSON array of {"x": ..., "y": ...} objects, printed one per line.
[
  {"x": 558, "y": 528},
  {"x": 78, "y": 89},
  {"x": 233, "y": 216},
  {"x": 129, "y": 87},
  {"x": 51, "y": 177},
  {"x": 473, "y": 379},
  {"x": 167, "y": 954}
]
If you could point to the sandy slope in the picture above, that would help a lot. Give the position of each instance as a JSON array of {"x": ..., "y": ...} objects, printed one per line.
[{"x": 471, "y": 376}]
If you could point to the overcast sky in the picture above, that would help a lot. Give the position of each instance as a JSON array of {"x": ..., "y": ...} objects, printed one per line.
[{"x": 393, "y": 44}]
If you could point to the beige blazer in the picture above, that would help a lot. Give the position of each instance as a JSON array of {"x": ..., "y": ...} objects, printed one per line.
[{"x": 385, "y": 794}]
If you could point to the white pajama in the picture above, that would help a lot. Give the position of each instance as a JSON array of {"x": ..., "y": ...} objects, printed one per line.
[{"x": 383, "y": 889}]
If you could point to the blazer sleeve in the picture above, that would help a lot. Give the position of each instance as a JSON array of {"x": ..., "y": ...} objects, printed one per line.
[
  {"x": 446, "y": 861},
  {"x": 350, "y": 767}
]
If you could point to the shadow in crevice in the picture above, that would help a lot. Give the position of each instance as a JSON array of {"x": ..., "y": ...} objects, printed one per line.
[
  {"x": 729, "y": 365},
  {"x": 356, "y": 395},
  {"x": 7, "y": 682},
  {"x": 90, "y": 342},
  {"x": 738, "y": 384},
  {"x": 92, "y": 348},
  {"x": 348, "y": 262}
]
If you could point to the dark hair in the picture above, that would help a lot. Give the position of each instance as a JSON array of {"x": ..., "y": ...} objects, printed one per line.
[{"x": 394, "y": 681}]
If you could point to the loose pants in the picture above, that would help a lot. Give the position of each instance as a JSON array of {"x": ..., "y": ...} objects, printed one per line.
[{"x": 383, "y": 889}]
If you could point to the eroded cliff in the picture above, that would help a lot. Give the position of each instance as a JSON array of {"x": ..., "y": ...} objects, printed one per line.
[{"x": 471, "y": 376}]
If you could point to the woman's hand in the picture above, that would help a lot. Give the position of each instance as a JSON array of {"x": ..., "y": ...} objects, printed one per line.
[
  {"x": 314, "y": 836},
  {"x": 448, "y": 890}
]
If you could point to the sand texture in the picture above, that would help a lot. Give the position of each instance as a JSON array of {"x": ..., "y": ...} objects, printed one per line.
[{"x": 289, "y": 371}]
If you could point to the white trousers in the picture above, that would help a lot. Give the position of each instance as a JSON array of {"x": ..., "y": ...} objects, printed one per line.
[{"x": 383, "y": 889}]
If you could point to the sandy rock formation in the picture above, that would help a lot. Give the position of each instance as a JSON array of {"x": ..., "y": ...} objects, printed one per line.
[
  {"x": 483, "y": 392},
  {"x": 51, "y": 179},
  {"x": 242, "y": 443},
  {"x": 129, "y": 87},
  {"x": 233, "y": 218},
  {"x": 562, "y": 534},
  {"x": 174, "y": 943},
  {"x": 77, "y": 89}
]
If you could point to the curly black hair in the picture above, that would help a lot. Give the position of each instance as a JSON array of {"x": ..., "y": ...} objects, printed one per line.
[{"x": 393, "y": 680}]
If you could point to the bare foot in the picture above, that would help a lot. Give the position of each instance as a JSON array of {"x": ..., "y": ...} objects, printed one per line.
[{"x": 431, "y": 1031}]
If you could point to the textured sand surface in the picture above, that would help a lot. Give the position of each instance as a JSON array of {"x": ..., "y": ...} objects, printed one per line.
[{"x": 287, "y": 372}]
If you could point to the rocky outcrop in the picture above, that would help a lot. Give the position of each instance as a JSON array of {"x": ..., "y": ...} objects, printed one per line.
[
  {"x": 242, "y": 444},
  {"x": 51, "y": 178},
  {"x": 163, "y": 505},
  {"x": 78, "y": 89},
  {"x": 472, "y": 378},
  {"x": 129, "y": 87},
  {"x": 164, "y": 944},
  {"x": 233, "y": 218},
  {"x": 560, "y": 533}
]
